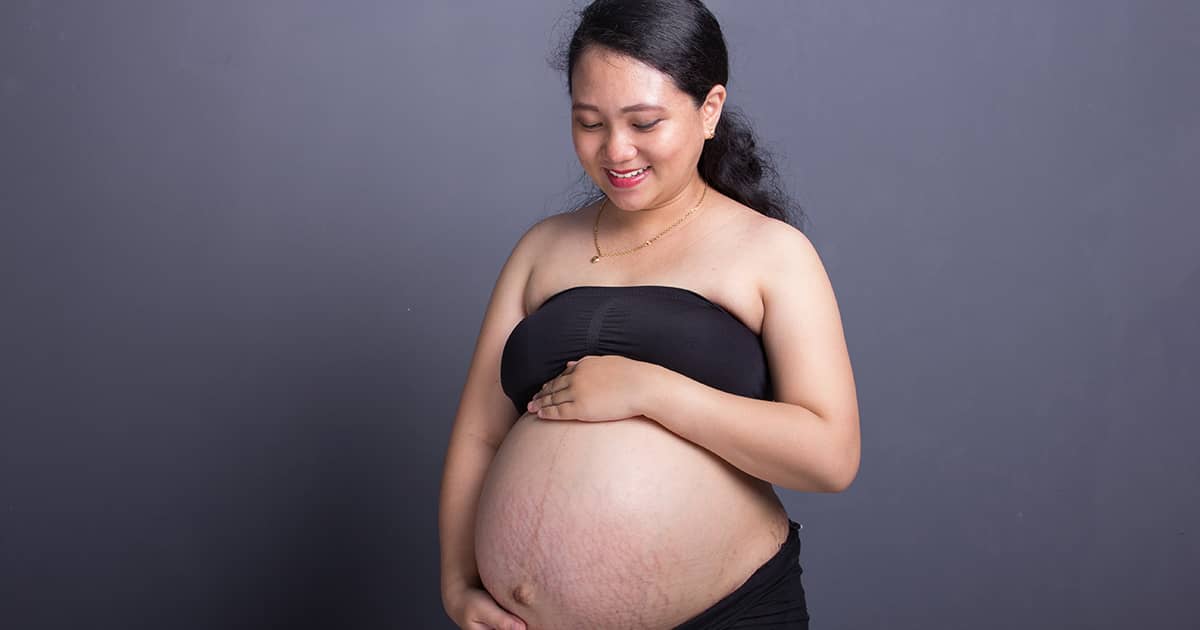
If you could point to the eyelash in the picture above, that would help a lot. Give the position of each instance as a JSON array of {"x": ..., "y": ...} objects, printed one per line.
[{"x": 646, "y": 127}]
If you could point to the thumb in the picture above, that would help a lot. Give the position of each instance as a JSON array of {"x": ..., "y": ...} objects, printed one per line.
[{"x": 503, "y": 621}]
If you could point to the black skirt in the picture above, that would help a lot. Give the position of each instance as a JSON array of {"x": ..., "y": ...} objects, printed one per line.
[{"x": 772, "y": 597}]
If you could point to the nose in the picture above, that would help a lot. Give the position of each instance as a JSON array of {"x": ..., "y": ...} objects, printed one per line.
[{"x": 619, "y": 148}]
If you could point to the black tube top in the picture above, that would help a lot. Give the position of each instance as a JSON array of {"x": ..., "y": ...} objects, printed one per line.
[{"x": 674, "y": 327}]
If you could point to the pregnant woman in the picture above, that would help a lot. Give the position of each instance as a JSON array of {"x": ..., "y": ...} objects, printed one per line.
[{"x": 648, "y": 367}]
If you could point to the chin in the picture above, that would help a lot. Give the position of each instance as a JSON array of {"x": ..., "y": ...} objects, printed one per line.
[{"x": 630, "y": 202}]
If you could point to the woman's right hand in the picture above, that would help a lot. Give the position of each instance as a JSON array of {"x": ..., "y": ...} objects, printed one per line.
[{"x": 473, "y": 608}]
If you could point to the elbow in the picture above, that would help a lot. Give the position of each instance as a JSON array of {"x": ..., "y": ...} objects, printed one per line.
[
  {"x": 842, "y": 481},
  {"x": 845, "y": 469},
  {"x": 837, "y": 478}
]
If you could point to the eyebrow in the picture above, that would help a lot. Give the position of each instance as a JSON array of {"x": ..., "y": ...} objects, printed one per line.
[{"x": 640, "y": 107}]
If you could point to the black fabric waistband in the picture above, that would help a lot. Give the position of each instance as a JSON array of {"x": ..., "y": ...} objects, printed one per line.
[{"x": 761, "y": 582}]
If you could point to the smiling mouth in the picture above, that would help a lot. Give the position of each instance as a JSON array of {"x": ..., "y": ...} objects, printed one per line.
[{"x": 627, "y": 174}]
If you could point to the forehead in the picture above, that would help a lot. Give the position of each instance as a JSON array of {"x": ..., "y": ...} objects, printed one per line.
[{"x": 611, "y": 80}]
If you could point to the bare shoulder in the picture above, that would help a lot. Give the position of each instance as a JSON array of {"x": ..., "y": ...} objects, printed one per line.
[
  {"x": 541, "y": 237},
  {"x": 547, "y": 248},
  {"x": 782, "y": 247},
  {"x": 784, "y": 258},
  {"x": 534, "y": 239}
]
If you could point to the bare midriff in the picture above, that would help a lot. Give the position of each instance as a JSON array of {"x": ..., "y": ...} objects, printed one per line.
[{"x": 617, "y": 525}]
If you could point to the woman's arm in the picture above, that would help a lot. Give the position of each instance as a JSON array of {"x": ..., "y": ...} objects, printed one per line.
[
  {"x": 484, "y": 416},
  {"x": 467, "y": 462},
  {"x": 808, "y": 437},
  {"x": 782, "y": 443}
]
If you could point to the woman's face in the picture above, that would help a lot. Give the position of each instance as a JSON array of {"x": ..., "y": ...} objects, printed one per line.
[{"x": 628, "y": 116}]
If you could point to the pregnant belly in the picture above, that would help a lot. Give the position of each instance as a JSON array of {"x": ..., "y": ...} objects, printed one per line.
[{"x": 617, "y": 525}]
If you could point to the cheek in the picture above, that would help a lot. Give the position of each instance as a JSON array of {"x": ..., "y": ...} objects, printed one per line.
[
  {"x": 585, "y": 146},
  {"x": 668, "y": 147}
]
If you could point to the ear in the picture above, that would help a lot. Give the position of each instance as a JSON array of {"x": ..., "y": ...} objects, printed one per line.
[{"x": 710, "y": 109}]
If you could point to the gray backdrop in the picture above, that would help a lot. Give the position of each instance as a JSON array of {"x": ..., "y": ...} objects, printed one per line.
[{"x": 247, "y": 247}]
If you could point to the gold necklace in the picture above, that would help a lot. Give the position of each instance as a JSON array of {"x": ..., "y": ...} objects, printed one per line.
[{"x": 596, "y": 229}]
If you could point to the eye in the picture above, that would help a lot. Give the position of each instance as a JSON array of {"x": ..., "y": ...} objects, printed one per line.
[
  {"x": 587, "y": 126},
  {"x": 648, "y": 125}
]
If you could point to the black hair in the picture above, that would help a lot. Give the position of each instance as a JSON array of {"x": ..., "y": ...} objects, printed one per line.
[{"x": 682, "y": 39}]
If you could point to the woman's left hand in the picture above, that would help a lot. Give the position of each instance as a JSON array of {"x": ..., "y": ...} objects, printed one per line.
[{"x": 595, "y": 388}]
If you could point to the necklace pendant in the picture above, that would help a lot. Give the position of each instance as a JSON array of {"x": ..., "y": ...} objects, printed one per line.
[{"x": 595, "y": 259}]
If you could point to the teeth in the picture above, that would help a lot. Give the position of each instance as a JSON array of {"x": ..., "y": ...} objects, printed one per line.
[{"x": 628, "y": 175}]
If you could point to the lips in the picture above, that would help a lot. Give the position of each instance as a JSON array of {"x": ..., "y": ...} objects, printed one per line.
[
  {"x": 627, "y": 171},
  {"x": 626, "y": 178}
]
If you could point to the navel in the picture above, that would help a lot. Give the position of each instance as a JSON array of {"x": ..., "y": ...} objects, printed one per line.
[{"x": 523, "y": 594}]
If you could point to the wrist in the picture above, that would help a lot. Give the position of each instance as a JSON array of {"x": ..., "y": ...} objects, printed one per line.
[
  {"x": 454, "y": 587},
  {"x": 656, "y": 391}
]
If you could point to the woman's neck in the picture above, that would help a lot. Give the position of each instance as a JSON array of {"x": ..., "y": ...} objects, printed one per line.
[{"x": 648, "y": 222}]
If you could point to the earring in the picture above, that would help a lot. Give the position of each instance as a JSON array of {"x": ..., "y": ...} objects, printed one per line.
[{"x": 709, "y": 135}]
